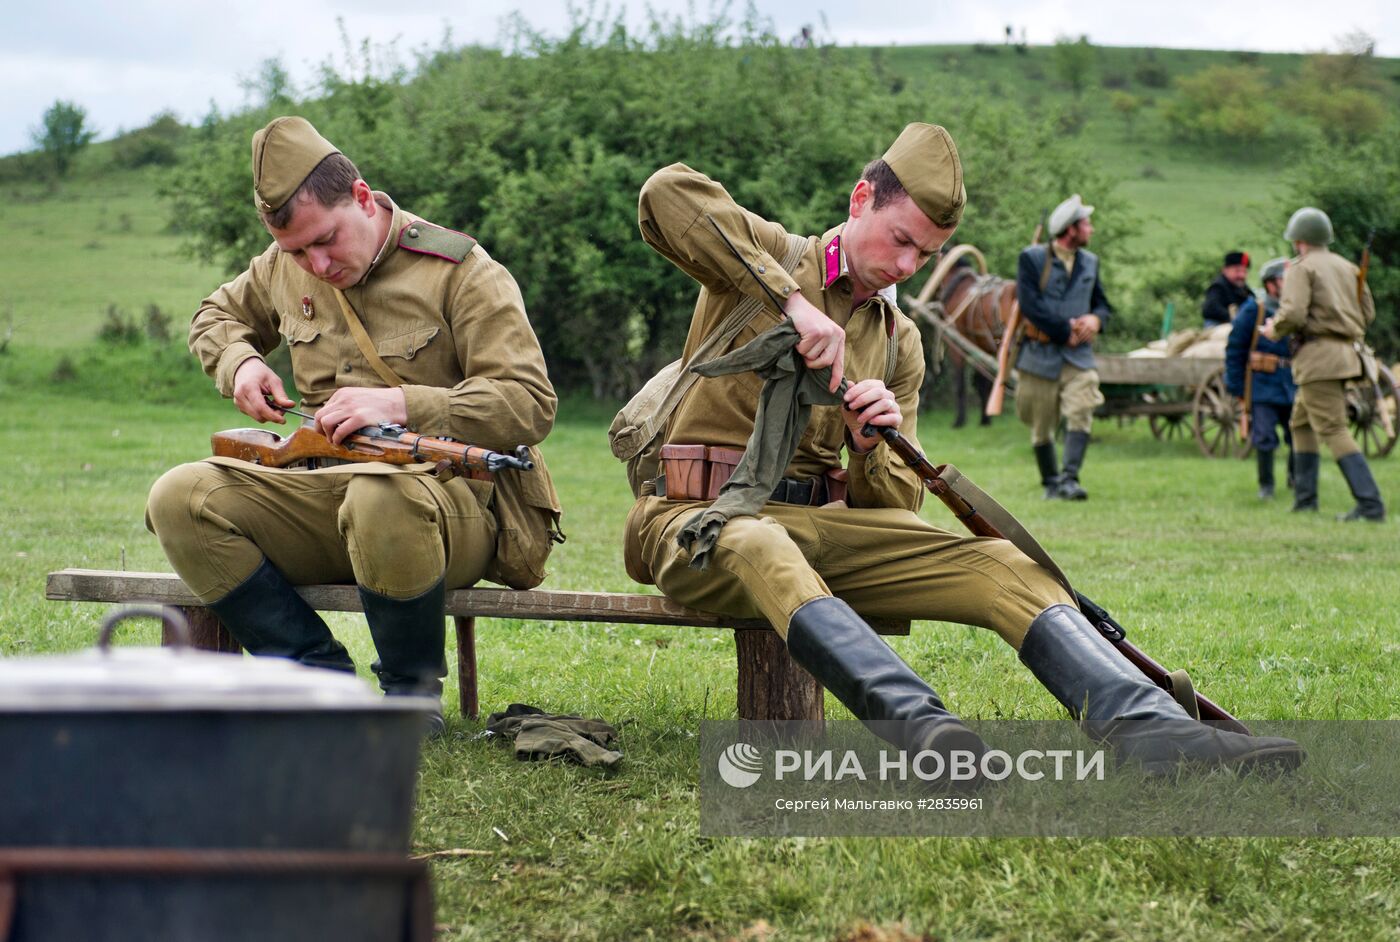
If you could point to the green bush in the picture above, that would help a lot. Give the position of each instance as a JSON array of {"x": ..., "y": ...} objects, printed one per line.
[
  {"x": 155, "y": 145},
  {"x": 540, "y": 151},
  {"x": 1223, "y": 105},
  {"x": 1358, "y": 186}
]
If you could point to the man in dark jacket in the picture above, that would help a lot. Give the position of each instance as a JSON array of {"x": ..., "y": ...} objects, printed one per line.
[
  {"x": 1255, "y": 363},
  {"x": 1228, "y": 291},
  {"x": 1064, "y": 307}
]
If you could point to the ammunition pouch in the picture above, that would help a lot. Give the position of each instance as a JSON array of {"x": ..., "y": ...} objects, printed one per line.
[
  {"x": 699, "y": 472},
  {"x": 1260, "y": 362}
]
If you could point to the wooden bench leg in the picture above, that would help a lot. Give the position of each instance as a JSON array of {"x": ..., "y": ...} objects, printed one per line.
[
  {"x": 466, "y": 665},
  {"x": 771, "y": 685},
  {"x": 207, "y": 633}
]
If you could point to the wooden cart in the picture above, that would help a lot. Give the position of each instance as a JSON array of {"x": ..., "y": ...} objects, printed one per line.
[{"x": 1183, "y": 396}]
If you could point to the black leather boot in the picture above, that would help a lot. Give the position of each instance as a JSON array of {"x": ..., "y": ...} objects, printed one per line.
[
  {"x": 1049, "y": 470},
  {"x": 409, "y": 635},
  {"x": 1116, "y": 704},
  {"x": 1305, "y": 467},
  {"x": 1290, "y": 481},
  {"x": 267, "y": 616},
  {"x": 1265, "y": 460},
  {"x": 835, "y": 645},
  {"x": 1075, "y": 445},
  {"x": 1363, "y": 488}
]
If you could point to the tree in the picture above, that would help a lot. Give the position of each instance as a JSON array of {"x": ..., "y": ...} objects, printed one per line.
[
  {"x": 62, "y": 134},
  {"x": 1127, "y": 105},
  {"x": 1358, "y": 186},
  {"x": 1074, "y": 61},
  {"x": 1222, "y": 104}
]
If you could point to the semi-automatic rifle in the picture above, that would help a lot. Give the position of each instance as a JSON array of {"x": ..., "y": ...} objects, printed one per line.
[{"x": 387, "y": 443}]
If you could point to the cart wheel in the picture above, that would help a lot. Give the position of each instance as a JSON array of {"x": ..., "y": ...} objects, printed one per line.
[
  {"x": 1375, "y": 421},
  {"x": 1217, "y": 420},
  {"x": 1168, "y": 426}
]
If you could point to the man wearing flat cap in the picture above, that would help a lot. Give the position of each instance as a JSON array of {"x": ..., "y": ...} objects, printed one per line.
[
  {"x": 831, "y": 546},
  {"x": 388, "y": 319},
  {"x": 1228, "y": 291},
  {"x": 1064, "y": 308}
]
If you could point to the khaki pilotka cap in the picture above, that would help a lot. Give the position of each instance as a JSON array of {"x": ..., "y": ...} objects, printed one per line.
[
  {"x": 926, "y": 162},
  {"x": 284, "y": 154}
]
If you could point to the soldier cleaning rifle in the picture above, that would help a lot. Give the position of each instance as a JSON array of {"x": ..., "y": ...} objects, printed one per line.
[{"x": 389, "y": 319}]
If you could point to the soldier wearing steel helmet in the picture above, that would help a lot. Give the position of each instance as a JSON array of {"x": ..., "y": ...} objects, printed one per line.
[
  {"x": 1063, "y": 303},
  {"x": 389, "y": 319},
  {"x": 815, "y": 566},
  {"x": 1326, "y": 308},
  {"x": 1263, "y": 365}
]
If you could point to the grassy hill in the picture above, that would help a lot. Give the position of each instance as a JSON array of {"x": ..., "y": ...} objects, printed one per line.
[
  {"x": 70, "y": 250},
  {"x": 1185, "y": 195}
]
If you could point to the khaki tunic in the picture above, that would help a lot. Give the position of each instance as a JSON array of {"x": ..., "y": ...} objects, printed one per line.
[
  {"x": 878, "y": 553},
  {"x": 1318, "y": 302},
  {"x": 456, "y": 333}
]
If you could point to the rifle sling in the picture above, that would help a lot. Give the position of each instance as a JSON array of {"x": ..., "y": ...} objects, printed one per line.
[
  {"x": 1001, "y": 518},
  {"x": 357, "y": 331},
  {"x": 1180, "y": 686}
]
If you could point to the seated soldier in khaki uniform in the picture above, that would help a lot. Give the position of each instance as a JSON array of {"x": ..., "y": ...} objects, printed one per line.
[
  {"x": 814, "y": 568},
  {"x": 1327, "y": 307},
  {"x": 453, "y": 356}
]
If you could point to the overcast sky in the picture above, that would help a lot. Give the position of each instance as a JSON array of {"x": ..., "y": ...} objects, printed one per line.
[{"x": 126, "y": 61}]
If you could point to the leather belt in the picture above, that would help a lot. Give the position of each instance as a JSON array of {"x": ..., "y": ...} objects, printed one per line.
[
  {"x": 812, "y": 493},
  {"x": 1035, "y": 333}
]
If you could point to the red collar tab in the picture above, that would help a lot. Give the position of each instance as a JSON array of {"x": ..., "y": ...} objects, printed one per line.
[{"x": 832, "y": 256}]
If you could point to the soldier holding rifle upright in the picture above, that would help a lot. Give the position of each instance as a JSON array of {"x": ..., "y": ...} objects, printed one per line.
[
  {"x": 1327, "y": 306},
  {"x": 816, "y": 566},
  {"x": 389, "y": 320}
]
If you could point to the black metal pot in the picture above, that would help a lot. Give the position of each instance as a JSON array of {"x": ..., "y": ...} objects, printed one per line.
[{"x": 159, "y": 793}]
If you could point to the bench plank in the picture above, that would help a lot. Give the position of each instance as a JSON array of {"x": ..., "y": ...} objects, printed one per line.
[
  {"x": 771, "y": 685},
  {"x": 97, "y": 585}
]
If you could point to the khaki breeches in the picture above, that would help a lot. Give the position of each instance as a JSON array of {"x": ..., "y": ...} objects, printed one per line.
[
  {"x": 884, "y": 563},
  {"x": 1041, "y": 403},
  {"x": 1320, "y": 413},
  {"x": 395, "y": 534}
]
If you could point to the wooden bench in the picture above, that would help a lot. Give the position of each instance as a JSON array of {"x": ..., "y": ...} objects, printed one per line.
[{"x": 771, "y": 686}]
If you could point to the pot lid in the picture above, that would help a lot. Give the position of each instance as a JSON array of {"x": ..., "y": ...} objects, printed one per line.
[{"x": 179, "y": 678}]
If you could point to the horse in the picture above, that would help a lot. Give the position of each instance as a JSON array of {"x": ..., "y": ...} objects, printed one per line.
[{"x": 969, "y": 319}]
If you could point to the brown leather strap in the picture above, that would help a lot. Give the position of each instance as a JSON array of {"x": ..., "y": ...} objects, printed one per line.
[
  {"x": 357, "y": 331},
  {"x": 1035, "y": 333}
]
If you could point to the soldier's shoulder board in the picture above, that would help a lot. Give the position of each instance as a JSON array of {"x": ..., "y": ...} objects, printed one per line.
[{"x": 428, "y": 239}]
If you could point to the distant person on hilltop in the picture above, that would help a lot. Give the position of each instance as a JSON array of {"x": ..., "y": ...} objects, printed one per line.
[{"x": 1228, "y": 291}]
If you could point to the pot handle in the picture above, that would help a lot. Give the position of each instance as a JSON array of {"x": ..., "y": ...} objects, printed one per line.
[{"x": 172, "y": 617}]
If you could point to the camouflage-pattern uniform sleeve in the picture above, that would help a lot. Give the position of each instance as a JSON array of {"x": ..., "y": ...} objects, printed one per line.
[
  {"x": 236, "y": 322},
  {"x": 678, "y": 211},
  {"x": 506, "y": 398},
  {"x": 879, "y": 478}
]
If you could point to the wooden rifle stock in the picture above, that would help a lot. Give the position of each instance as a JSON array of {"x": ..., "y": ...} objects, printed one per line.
[
  {"x": 1245, "y": 416},
  {"x": 388, "y": 444},
  {"x": 1106, "y": 625},
  {"x": 1008, "y": 341}
]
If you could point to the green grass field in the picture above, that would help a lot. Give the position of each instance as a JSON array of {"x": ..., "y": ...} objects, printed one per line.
[{"x": 1278, "y": 616}]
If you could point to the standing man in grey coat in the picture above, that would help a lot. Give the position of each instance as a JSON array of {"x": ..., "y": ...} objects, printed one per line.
[{"x": 1064, "y": 308}]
